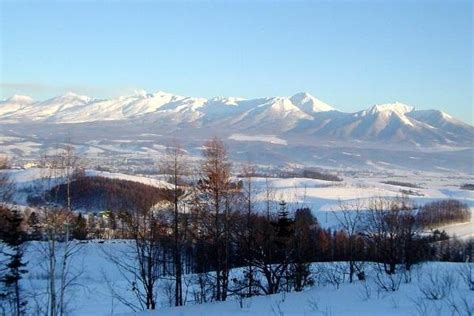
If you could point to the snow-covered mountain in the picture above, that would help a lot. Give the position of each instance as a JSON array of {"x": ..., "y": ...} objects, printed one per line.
[
  {"x": 14, "y": 104},
  {"x": 299, "y": 115}
]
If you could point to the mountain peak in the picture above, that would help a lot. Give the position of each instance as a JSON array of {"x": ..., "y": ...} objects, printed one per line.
[
  {"x": 309, "y": 103},
  {"x": 161, "y": 92},
  {"x": 302, "y": 95},
  {"x": 17, "y": 98},
  {"x": 398, "y": 107},
  {"x": 140, "y": 93},
  {"x": 71, "y": 96}
]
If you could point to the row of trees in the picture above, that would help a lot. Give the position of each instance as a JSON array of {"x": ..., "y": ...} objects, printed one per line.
[{"x": 445, "y": 212}]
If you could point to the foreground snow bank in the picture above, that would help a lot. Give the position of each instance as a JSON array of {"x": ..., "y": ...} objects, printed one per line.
[
  {"x": 359, "y": 298},
  {"x": 91, "y": 294}
]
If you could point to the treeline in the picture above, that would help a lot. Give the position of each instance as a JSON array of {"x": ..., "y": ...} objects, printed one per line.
[
  {"x": 445, "y": 212},
  {"x": 402, "y": 184},
  {"x": 298, "y": 173},
  {"x": 100, "y": 193},
  {"x": 310, "y": 174},
  {"x": 467, "y": 186}
]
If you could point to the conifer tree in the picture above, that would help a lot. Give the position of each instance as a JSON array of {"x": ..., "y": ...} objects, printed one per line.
[
  {"x": 79, "y": 230},
  {"x": 35, "y": 231},
  {"x": 14, "y": 239}
]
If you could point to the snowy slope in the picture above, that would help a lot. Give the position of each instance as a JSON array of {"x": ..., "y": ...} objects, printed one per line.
[
  {"x": 92, "y": 295},
  {"x": 14, "y": 104},
  {"x": 140, "y": 179},
  {"x": 310, "y": 104},
  {"x": 347, "y": 300},
  {"x": 51, "y": 108},
  {"x": 36, "y": 180},
  {"x": 325, "y": 197},
  {"x": 72, "y": 108},
  {"x": 396, "y": 122}
]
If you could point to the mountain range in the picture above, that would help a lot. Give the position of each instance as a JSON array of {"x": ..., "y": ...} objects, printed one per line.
[{"x": 299, "y": 115}]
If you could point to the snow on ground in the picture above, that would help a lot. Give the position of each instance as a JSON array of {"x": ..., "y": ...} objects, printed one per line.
[
  {"x": 258, "y": 138},
  {"x": 350, "y": 154},
  {"x": 348, "y": 300},
  {"x": 25, "y": 147},
  {"x": 141, "y": 179},
  {"x": 36, "y": 180},
  {"x": 92, "y": 295},
  {"x": 323, "y": 197},
  {"x": 461, "y": 230},
  {"x": 32, "y": 181},
  {"x": 25, "y": 177}
]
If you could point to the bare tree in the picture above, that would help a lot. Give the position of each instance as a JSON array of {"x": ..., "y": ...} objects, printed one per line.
[
  {"x": 216, "y": 191},
  {"x": 144, "y": 261},
  {"x": 140, "y": 263},
  {"x": 270, "y": 255},
  {"x": 263, "y": 253},
  {"x": 248, "y": 230},
  {"x": 59, "y": 248},
  {"x": 391, "y": 228},
  {"x": 6, "y": 184},
  {"x": 175, "y": 166},
  {"x": 350, "y": 218}
]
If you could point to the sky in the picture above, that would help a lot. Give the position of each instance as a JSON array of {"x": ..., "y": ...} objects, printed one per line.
[{"x": 350, "y": 54}]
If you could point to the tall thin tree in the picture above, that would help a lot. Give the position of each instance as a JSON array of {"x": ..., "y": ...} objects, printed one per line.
[
  {"x": 215, "y": 187},
  {"x": 175, "y": 166}
]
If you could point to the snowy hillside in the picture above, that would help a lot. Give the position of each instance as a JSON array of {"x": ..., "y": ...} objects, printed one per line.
[
  {"x": 360, "y": 298},
  {"x": 92, "y": 292}
]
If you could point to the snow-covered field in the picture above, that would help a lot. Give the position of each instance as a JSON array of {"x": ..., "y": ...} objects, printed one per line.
[
  {"x": 92, "y": 295},
  {"x": 145, "y": 180},
  {"x": 272, "y": 139},
  {"x": 323, "y": 197}
]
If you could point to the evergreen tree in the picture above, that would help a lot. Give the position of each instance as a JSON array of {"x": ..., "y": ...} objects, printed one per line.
[
  {"x": 35, "y": 231},
  {"x": 14, "y": 239},
  {"x": 284, "y": 226},
  {"x": 79, "y": 229},
  {"x": 303, "y": 247}
]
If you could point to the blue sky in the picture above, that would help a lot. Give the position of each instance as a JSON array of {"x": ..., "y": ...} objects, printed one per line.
[{"x": 349, "y": 54}]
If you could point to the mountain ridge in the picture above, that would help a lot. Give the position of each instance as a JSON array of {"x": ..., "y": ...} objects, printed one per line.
[{"x": 300, "y": 114}]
